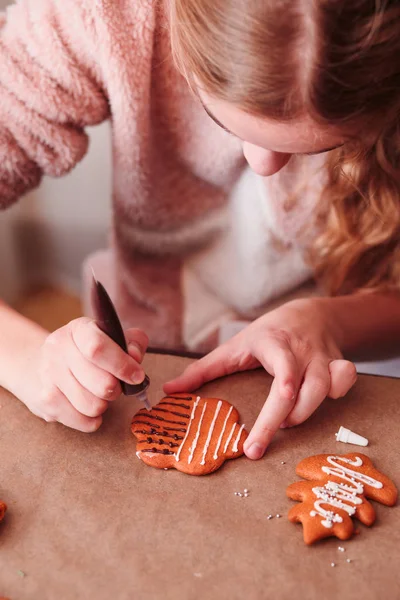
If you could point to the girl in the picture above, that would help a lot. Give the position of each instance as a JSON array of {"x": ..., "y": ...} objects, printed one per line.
[{"x": 307, "y": 91}]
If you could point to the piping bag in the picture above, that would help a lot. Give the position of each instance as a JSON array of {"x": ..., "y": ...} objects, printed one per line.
[{"x": 107, "y": 320}]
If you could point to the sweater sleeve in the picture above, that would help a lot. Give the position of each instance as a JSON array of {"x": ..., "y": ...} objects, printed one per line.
[{"x": 50, "y": 89}]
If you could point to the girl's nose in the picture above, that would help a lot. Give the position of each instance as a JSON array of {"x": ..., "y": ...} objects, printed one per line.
[{"x": 264, "y": 162}]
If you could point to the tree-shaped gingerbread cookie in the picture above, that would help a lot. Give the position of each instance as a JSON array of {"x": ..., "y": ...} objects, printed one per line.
[{"x": 337, "y": 490}]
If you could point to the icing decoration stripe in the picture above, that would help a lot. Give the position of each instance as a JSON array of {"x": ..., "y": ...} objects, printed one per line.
[
  {"x": 235, "y": 447},
  {"x": 157, "y": 418},
  {"x": 229, "y": 437},
  {"x": 159, "y": 442},
  {"x": 193, "y": 447},
  {"x": 171, "y": 412},
  {"x": 160, "y": 434},
  {"x": 222, "y": 433},
  {"x": 148, "y": 424},
  {"x": 176, "y": 404},
  {"x": 189, "y": 398},
  {"x": 188, "y": 429},
  {"x": 157, "y": 451},
  {"x": 341, "y": 471},
  {"x": 203, "y": 460}
]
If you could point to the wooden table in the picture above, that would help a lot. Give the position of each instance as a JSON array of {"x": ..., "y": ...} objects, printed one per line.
[{"x": 87, "y": 520}]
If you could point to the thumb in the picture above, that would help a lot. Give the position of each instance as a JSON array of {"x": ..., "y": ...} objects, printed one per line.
[{"x": 343, "y": 376}]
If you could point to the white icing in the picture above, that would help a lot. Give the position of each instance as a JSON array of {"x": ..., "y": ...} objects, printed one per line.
[
  {"x": 222, "y": 433},
  {"x": 138, "y": 454},
  {"x": 177, "y": 455},
  {"x": 337, "y": 494},
  {"x": 208, "y": 440},
  {"x": 230, "y": 437},
  {"x": 193, "y": 447},
  {"x": 235, "y": 447},
  {"x": 333, "y": 494},
  {"x": 341, "y": 471}
]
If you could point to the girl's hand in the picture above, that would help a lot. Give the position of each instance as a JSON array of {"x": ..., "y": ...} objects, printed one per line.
[
  {"x": 296, "y": 344},
  {"x": 75, "y": 372}
]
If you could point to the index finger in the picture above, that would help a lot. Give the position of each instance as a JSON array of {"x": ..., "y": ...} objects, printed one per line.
[
  {"x": 103, "y": 352},
  {"x": 218, "y": 363},
  {"x": 275, "y": 410}
]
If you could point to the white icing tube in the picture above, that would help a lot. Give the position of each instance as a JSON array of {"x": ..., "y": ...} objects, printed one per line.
[{"x": 349, "y": 437}]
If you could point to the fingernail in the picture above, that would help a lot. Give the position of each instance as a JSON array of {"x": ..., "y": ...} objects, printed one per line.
[
  {"x": 283, "y": 425},
  {"x": 134, "y": 346},
  {"x": 255, "y": 451},
  {"x": 137, "y": 377}
]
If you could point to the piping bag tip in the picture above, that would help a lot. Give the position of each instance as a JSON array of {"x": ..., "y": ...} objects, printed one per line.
[
  {"x": 142, "y": 396},
  {"x": 139, "y": 391}
]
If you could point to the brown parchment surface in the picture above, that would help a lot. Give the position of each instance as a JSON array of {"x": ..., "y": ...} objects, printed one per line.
[{"x": 88, "y": 520}]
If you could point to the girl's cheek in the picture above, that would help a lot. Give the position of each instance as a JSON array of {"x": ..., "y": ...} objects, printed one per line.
[{"x": 264, "y": 162}]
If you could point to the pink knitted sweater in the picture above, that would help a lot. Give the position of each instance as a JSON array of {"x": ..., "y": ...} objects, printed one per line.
[{"x": 197, "y": 240}]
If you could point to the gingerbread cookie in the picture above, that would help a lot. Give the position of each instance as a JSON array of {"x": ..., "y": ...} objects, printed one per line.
[
  {"x": 191, "y": 434},
  {"x": 338, "y": 490}
]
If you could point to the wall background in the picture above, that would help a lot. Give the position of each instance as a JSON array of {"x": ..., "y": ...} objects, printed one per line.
[{"x": 48, "y": 234}]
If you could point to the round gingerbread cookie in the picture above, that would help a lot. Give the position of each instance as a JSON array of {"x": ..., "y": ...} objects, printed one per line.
[{"x": 189, "y": 433}]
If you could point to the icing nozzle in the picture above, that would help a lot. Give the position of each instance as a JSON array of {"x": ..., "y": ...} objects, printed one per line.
[
  {"x": 139, "y": 391},
  {"x": 142, "y": 396},
  {"x": 349, "y": 437}
]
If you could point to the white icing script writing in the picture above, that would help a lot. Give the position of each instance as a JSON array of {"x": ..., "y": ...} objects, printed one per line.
[{"x": 337, "y": 494}]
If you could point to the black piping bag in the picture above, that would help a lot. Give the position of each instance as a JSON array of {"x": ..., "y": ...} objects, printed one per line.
[{"x": 107, "y": 320}]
